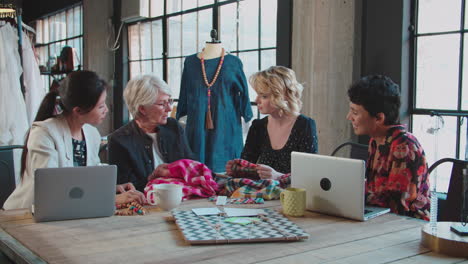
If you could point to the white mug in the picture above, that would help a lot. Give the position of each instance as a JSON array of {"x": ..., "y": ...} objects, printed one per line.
[{"x": 166, "y": 196}]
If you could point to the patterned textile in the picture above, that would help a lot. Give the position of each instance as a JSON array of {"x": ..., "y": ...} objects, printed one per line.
[
  {"x": 79, "y": 152},
  {"x": 397, "y": 174},
  {"x": 195, "y": 177},
  {"x": 246, "y": 188},
  {"x": 244, "y": 169}
]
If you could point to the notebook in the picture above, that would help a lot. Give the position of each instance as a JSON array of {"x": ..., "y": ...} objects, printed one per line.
[
  {"x": 74, "y": 192},
  {"x": 333, "y": 185}
]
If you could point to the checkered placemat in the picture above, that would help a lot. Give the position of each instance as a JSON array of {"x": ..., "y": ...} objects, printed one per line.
[{"x": 212, "y": 229}]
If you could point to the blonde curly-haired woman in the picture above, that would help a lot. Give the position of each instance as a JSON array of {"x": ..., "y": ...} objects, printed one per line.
[{"x": 271, "y": 139}]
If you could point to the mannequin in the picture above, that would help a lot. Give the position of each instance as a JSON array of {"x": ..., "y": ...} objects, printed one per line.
[
  {"x": 211, "y": 51},
  {"x": 212, "y": 48},
  {"x": 214, "y": 96}
]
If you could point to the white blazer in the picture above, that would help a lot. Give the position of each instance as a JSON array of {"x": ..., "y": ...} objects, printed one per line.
[{"x": 50, "y": 146}]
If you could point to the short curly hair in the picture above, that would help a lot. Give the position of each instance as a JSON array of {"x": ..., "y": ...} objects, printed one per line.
[
  {"x": 377, "y": 94},
  {"x": 281, "y": 83},
  {"x": 143, "y": 90}
]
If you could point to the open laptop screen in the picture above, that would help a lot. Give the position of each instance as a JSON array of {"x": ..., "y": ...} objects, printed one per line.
[
  {"x": 333, "y": 185},
  {"x": 74, "y": 192}
]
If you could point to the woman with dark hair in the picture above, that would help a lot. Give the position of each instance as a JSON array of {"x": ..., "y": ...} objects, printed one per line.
[
  {"x": 396, "y": 175},
  {"x": 62, "y": 134}
]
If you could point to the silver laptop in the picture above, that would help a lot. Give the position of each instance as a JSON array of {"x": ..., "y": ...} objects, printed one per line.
[
  {"x": 74, "y": 192},
  {"x": 333, "y": 185}
]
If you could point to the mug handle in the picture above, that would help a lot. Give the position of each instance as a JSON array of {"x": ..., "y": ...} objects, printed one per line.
[
  {"x": 282, "y": 198},
  {"x": 148, "y": 197}
]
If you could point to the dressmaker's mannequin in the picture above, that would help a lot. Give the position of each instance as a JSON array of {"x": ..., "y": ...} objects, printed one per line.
[
  {"x": 211, "y": 51},
  {"x": 212, "y": 48},
  {"x": 214, "y": 96}
]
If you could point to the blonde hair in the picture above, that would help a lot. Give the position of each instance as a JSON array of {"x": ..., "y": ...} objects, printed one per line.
[
  {"x": 282, "y": 86},
  {"x": 143, "y": 90}
]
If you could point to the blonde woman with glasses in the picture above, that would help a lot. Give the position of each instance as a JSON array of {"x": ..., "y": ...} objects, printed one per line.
[{"x": 152, "y": 138}]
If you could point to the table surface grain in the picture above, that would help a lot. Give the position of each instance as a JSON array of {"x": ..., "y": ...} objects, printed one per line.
[{"x": 154, "y": 238}]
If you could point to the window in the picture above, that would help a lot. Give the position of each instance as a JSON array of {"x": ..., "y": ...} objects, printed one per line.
[
  {"x": 440, "y": 95},
  {"x": 246, "y": 28},
  {"x": 53, "y": 32}
]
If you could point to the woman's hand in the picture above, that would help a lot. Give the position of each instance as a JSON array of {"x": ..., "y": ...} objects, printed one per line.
[
  {"x": 161, "y": 171},
  {"x": 229, "y": 167},
  {"x": 121, "y": 188},
  {"x": 130, "y": 196},
  {"x": 267, "y": 172}
]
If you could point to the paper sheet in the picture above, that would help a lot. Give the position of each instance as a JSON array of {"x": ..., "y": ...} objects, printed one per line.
[
  {"x": 206, "y": 211},
  {"x": 230, "y": 212}
]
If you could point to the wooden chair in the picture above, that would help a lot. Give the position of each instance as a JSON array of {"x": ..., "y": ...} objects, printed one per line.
[
  {"x": 449, "y": 209},
  {"x": 358, "y": 151},
  {"x": 7, "y": 172}
]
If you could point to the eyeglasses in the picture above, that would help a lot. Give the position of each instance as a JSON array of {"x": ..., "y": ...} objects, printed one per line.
[{"x": 166, "y": 103}]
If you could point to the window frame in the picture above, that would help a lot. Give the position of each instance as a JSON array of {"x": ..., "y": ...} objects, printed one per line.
[
  {"x": 51, "y": 76},
  {"x": 413, "y": 109},
  {"x": 283, "y": 45}
]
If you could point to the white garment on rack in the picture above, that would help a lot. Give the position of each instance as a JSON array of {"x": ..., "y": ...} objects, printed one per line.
[
  {"x": 34, "y": 86},
  {"x": 13, "y": 117}
]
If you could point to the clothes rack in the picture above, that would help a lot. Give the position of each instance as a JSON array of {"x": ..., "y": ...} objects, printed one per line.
[{"x": 18, "y": 23}]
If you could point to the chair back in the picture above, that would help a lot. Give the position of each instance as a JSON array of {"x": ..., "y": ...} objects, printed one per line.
[
  {"x": 103, "y": 153},
  {"x": 7, "y": 172},
  {"x": 450, "y": 210},
  {"x": 357, "y": 150}
]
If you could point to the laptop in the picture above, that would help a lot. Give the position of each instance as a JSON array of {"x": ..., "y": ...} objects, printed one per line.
[
  {"x": 74, "y": 192},
  {"x": 334, "y": 185}
]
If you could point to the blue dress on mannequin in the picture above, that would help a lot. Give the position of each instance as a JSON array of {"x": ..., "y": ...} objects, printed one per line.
[{"x": 229, "y": 102}]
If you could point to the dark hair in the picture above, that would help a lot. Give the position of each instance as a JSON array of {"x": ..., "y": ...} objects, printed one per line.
[
  {"x": 377, "y": 94},
  {"x": 79, "y": 89}
]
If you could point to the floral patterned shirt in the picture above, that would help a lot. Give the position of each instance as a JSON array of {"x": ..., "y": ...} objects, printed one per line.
[
  {"x": 397, "y": 175},
  {"x": 79, "y": 152}
]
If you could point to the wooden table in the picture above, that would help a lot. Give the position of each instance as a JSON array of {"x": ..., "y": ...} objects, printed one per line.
[{"x": 153, "y": 239}]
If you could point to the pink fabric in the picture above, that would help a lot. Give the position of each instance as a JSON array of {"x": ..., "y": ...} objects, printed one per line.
[
  {"x": 195, "y": 177},
  {"x": 245, "y": 163}
]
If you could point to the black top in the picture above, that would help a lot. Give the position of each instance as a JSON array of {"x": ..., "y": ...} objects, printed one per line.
[
  {"x": 257, "y": 149},
  {"x": 131, "y": 149},
  {"x": 79, "y": 152}
]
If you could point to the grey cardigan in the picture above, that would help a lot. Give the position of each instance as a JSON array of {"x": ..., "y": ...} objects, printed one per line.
[{"x": 50, "y": 146}]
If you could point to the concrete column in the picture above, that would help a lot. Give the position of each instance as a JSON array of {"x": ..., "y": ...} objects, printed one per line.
[
  {"x": 96, "y": 56},
  {"x": 387, "y": 45},
  {"x": 326, "y": 58}
]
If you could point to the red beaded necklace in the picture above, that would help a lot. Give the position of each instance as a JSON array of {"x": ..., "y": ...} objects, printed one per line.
[{"x": 209, "y": 120}]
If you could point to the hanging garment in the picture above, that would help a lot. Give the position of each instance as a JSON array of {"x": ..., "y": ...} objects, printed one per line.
[
  {"x": 229, "y": 102},
  {"x": 35, "y": 90},
  {"x": 13, "y": 117}
]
